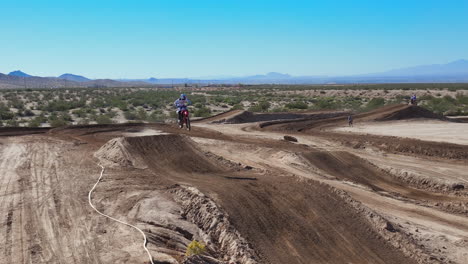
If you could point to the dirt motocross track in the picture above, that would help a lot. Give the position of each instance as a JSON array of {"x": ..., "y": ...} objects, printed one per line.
[{"x": 249, "y": 195}]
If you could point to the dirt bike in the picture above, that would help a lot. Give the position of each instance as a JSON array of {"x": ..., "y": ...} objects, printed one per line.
[
  {"x": 413, "y": 102},
  {"x": 185, "y": 119}
]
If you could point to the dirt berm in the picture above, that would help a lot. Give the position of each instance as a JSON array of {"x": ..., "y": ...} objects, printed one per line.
[
  {"x": 239, "y": 117},
  {"x": 284, "y": 219},
  {"x": 322, "y": 125},
  {"x": 386, "y": 113}
]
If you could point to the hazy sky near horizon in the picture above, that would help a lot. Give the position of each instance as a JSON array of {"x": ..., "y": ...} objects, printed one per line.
[{"x": 141, "y": 39}]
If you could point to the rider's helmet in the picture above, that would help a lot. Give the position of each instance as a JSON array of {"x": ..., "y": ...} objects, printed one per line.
[{"x": 183, "y": 97}]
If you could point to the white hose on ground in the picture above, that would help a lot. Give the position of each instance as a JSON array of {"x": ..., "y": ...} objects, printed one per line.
[{"x": 117, "y": 220}]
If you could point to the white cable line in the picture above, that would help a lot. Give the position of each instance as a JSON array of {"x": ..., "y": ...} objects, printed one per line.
[{"x": 112, "y": 218}]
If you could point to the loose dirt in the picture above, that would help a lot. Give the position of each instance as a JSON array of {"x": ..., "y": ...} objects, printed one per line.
[{"x": 244, "y": 191}]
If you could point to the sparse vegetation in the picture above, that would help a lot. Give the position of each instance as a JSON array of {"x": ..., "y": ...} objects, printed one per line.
[
  {"x": 195, "y": 248},
  {"x": 116, "y": 105}
]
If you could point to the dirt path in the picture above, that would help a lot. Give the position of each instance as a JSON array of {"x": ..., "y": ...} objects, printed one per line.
[
  {"x": 250, "y": 195},
  {"x": 437, "y": 230},
  {"x": 47, "y": 219},
  {"x": 430, "y": 130}
]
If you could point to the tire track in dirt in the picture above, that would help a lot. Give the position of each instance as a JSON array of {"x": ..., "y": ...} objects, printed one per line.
[
  {"x": 8, "y": 233},
  {"x": 270, "y": 212},
  {"x": 117, "y": 220}
]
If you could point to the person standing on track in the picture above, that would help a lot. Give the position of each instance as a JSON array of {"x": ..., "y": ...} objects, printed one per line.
[
  {"x": 350, "y": 120},
  {"x": 181, "y": 105}
]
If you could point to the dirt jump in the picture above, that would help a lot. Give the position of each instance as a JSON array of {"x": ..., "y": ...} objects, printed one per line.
[{"x": 236, "y": 185}]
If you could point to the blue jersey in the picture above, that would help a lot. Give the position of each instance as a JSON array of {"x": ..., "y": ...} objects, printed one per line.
[{"x": 182, "y": 104}]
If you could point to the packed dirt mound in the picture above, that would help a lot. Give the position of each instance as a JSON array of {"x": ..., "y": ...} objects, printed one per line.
[
  {"x": 411, "y": 112},
  {"x": 249, "y": 117},
  {"x": 94, "y": 129},
  {"x": 239, "y": 116},
  {"x": 346, "y": 166},
  {"x": 166, "y": 152},
  {"x": 19, "y": 131},
  {"x": 322, "y": 121},
  {"x": 220, "y": 117},
  {"x": 312, "y": 119}
]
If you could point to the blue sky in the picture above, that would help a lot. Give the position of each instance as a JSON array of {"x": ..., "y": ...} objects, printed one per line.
[{"x": 140, "y": 39}]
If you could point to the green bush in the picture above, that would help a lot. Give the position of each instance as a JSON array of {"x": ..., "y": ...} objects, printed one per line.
[
  {"x": 141, "y": 114},
  {"x": 202, "y": 112},
  {"x": 12, "y": 123},
  {"x": 156, "y": 116},
  {"x": 6, "y": 115},
  {"x": 130, "y": 115},
  {"x": 195, "y": 248},
  {"x": 104, "y": 119},
  {"x": 439, "y": 105},
  {"x": 34, "y": 123},
  {"x": 296, "y": 105},
  {"x": 374, "y": 103},
  {"x": 58, "y": 122},
  {"x": 237, "y": 107},
  {"x": 325, "y": 103}
]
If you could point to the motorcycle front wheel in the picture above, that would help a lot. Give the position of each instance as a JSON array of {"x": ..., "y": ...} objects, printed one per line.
[{"x": 188, "y": 124}]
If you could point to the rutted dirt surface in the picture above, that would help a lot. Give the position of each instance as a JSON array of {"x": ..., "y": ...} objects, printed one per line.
[{"x": 245, "y": 192}]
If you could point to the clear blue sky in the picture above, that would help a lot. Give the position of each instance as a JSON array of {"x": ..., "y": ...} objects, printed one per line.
[{"x": 139, "y": 39}]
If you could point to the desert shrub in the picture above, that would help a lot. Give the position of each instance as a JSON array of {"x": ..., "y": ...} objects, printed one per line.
[
  {"x": 34, "y": 123},
  {"x": 261, "y": 106},
  {"x": 278, "y": 109},
  {"x": 439, "y": 105},
  {"x": 202, "y": 112},
  {"x": 232, "y": 100},
  {"x": 353, "y": 103},
  {"x": 12, "y": 123},
  {"x": 296, "y": 105},
  {"x": 450, "y": 99},
  {"x": 141, "y": 114},
  {"x": 325, "y": 103},
  {"x": 104, "y": 119},
  {"x": 374, "y": 103},
  {"x": 61, "y": 105},
  {"x": 80, "y": 113},
  {"x": 6, "y": 115},
  {"x": 58, "y": 122},
  {"x": 237, "y": 107},
  {"x": 37, "y": 121},
  {"x": 461, "y": 99},
  {"x": 65, "y": 116},
  {"x": 195, "y": 248},
  {"x": 130, "y": 115},
  {"x": 28, "y": 112},
  {"x": 84, "y": 121},
  {"x": 156, "y": 116}
]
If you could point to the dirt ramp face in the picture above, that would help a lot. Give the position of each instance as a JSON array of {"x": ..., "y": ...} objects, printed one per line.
[
  {"x": 291, "y": 221},
  {"x": 327, "y": 120},
  {"x": 411, "y": 112},
  {"x": 165, "y": 152}
]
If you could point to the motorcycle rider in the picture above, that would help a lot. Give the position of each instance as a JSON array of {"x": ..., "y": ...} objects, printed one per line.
[
  {"x": 413, "y": 99},
  {"x": 181, "y": 105}
]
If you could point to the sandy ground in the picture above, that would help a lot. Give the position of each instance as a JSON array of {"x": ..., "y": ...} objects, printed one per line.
[{"x": 431, "y": 130}]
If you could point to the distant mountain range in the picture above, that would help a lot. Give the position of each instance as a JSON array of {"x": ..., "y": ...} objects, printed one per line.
[
  {"x": 456, "y": 71},
  {"x": 73, "y": 77},
  {"x": 19, "y": 74}
]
